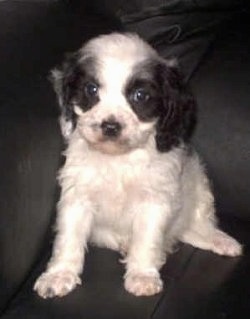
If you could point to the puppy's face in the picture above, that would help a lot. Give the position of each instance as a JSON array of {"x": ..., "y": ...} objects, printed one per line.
[
  {"x": 116, "y": 107},
  {"x": 117, "y": 92}
]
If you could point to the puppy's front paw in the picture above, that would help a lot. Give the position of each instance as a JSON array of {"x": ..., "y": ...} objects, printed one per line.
[
  {"x": 224, "y": 244},
  {"x": 59, "y": 283},
  {"x": 143, "y": 284}
]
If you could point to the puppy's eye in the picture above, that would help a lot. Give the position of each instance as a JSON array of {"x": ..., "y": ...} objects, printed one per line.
[
  {"x": 140, "y": 95},
  {"x": 91, "y": 89}
]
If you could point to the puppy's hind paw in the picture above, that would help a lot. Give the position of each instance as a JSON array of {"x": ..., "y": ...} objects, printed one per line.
[
  {"x": 56, "y": 284},
  {"x": 143, "y": 284},
  {"x": 224, "y": 244}
]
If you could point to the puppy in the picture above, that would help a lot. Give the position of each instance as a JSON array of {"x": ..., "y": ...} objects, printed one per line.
[{"x": 131, "y": 181}]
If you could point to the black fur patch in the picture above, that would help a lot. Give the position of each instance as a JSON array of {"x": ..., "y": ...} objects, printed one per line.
[
  {"x": 71, "y": 87},
  {"x": 148, "y": 109},
  {"x": 169, "y": 102},
  {"x": 178, "y": 110}
]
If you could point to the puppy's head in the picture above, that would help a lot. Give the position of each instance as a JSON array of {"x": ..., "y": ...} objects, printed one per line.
[{"x": 118, "y": 93}]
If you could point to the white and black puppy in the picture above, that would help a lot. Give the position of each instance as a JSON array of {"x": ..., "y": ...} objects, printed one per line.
[{"x": 130, "y": 182}]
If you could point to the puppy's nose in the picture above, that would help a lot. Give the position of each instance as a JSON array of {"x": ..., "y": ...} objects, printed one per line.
[{"x": 111, "y": 128}]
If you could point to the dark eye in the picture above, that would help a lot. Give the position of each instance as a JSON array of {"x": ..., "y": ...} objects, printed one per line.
[
  {"x": 140, "y": 95},
  {"x": 91, "y": 89}
]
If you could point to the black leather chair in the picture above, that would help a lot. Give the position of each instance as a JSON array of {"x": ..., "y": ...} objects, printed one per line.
[{"x": 211, "y": 41}]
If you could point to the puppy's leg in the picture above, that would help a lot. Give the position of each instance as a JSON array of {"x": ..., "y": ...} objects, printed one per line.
[
  {"x": 203, "y": 231},
  {"x": 215, "y": 240},
  {"x": 73, "y": 229},
  {"x": 146, "y": 253}
]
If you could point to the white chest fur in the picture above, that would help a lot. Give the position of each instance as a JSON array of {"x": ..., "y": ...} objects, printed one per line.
[{"x": 113, "y": 184}]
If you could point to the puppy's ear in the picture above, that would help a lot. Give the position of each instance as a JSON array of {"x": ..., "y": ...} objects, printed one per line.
[
  {"x": 65, "y": 79},
  {"x": 178, "y": 109}
]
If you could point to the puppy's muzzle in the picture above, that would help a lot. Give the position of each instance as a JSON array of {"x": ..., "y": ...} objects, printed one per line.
[{"x": 111, "y": 129}]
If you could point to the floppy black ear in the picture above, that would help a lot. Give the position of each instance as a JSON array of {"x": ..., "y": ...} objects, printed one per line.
[
  {"x": 65, "y": 80},
  {"x": 177, "y": 116}
]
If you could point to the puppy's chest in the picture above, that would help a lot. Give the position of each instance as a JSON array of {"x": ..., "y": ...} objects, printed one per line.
[{"x": 111, "y": 185}]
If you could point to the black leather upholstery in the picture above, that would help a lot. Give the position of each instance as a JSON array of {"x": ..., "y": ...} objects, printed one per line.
[{"x": 212, "y": 44}]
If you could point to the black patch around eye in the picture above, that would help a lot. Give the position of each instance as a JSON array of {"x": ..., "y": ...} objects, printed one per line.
[
  {"x": 87, "y": 93},
  {"x": 143, "y": 98},
  {"x": 80, "y": 86}
]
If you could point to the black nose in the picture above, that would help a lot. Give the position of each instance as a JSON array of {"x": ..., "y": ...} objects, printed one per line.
[{"x": 111, "y": 128}]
